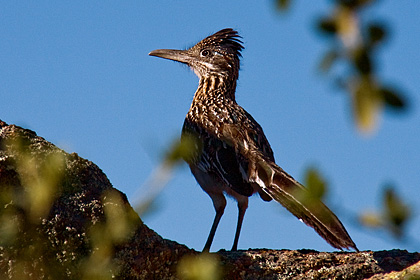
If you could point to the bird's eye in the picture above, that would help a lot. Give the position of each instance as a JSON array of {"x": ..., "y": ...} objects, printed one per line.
[{"x": 205, "y": 53}]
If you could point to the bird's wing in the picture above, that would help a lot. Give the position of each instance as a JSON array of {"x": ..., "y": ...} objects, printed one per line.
[
  {"x": 219, "y": 158},
  {"x": 253, "y": 133},
  {"x": 280, "y": 186}
]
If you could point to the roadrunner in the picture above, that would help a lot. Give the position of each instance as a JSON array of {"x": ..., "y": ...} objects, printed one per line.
[{"x": 232, "y": 155}]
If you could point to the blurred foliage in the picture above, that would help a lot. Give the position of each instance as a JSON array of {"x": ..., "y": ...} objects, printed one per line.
[
  {"x": 188, "y": 148},
  {"x": 179, "y": 150},
  {"x": 283, "y": 5},
  {"x": 313, "y": 195},
  {"x": 199, "y": 267},
  {"x": 117, "y": 227},
  {"x": 393, "y": 217},
  {"x": 353, "y": 45},
  {"x": 23, "y": 209},
  {"x": 26, "y": 201},
  {"x": 315, "y": 183},
  {"x": 39, "y": 180},
  {"x": 355, "y": 42},
  {"x": 396, "y": 212},
  {"x": 315, "y": 188}
]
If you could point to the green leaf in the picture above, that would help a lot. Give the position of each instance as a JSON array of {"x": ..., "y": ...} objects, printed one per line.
[
  {"x": 393, "y": 99},
  {"x": 203, "y": 266},
  {"x": 348, "y": 3},
  {"x": 327, "y": 26},
  {"x": 396, "y": 212},
  {"x": 186, "y": 149},
  {"x": 362, "y": 61},
  {"x": 315, "y": 183},
  {"x": 371, "y": 219},
  {"x": 353, "y": 3},
  {"x": 366, "y": 103},
  {"x": 376, "y": 33},
  {"x": 283, "y": 5}
]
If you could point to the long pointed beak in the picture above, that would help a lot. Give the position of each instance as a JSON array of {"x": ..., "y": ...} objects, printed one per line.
[{"x": 176, "y": 55}]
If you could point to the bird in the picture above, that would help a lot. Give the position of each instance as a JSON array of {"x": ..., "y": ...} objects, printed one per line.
[{"x": 230, "y": 154}]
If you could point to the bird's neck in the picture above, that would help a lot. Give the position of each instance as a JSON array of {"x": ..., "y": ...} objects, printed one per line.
[{"x": 215, "y": 87}]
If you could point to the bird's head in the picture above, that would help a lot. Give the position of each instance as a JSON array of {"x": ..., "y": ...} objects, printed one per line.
[{"x": 218, "y": 54}]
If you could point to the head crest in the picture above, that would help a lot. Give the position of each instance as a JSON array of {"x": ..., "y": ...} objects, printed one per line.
[{"x": 227, "y": 39}]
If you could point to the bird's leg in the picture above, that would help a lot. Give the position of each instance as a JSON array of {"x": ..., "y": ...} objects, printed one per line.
[
  {"x": 216, "y": 221},
  {"x": 219, "y": 203},
  {"x": 242, "y": 206}
]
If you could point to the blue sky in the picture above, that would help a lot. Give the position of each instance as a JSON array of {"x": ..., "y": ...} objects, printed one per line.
[{"x": 79, "y": 74}]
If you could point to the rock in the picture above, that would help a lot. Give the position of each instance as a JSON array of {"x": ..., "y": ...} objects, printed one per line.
[
  {"x": 62, "y": 219},
  {"x": 310, "y": 264}
]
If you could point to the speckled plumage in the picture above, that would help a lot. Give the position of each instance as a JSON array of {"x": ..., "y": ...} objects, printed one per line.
[{"x": 232, "y": 155}]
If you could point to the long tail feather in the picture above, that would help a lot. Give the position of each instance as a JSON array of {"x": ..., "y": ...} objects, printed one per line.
[{"x": 294, "y": 197}]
